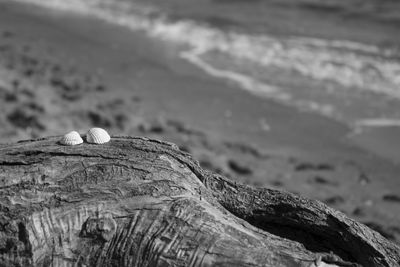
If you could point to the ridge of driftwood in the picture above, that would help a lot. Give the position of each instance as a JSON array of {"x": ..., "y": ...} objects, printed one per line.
[{"x": 141, "y": 202}]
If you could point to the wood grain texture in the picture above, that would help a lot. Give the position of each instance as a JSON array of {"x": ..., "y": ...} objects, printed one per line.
[{"x": 141, "y": 202}]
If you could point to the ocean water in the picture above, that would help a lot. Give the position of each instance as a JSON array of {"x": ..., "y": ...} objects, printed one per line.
[{"x": 353, "y": 82}]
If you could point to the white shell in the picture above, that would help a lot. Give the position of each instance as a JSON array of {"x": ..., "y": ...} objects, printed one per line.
[
  {"x": 71, "y": 139},
  {"x": 97, "y": 136}
]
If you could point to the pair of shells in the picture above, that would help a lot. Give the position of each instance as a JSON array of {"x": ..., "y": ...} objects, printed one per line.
[{"x": 94, "y": 136}]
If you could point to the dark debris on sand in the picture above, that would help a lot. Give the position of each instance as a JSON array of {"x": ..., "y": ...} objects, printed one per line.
[
  {"x": 307, "y": 166},
  {"x": 21, "y": 119},
  {"x": 391, "y": 198}
]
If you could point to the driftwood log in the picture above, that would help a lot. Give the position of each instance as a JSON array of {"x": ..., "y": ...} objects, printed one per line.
[{"x": 142, "y": 202}]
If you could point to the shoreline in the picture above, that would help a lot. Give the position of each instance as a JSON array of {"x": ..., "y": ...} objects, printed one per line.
[
  {"x": 296, "y": 87},
  {"x": 148, "y": 90}
]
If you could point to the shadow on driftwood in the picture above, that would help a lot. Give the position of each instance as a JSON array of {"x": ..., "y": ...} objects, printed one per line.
[{"x": 141, "y": 202}]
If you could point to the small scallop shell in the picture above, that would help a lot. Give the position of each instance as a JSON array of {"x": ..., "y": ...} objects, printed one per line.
[
  {"x": 97, "y": 136},
  {"x": 71, "y": 139}
]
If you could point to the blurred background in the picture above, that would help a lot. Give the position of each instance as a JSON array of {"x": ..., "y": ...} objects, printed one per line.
[{"x": 299, "y": 95}]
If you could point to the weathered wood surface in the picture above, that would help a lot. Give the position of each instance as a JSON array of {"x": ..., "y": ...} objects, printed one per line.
[{"x": 141, "y": 202}]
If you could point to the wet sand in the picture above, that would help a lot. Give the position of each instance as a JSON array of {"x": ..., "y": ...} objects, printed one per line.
[{"x": 61, "y": 72}]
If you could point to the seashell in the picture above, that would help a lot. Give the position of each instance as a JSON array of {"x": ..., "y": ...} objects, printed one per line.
[
  {"x": 97, "y": 136},
  {"x": 71, "y": 139}
]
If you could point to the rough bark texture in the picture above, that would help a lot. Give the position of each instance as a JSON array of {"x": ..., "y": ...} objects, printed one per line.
[{"x": 141, "y": 202}]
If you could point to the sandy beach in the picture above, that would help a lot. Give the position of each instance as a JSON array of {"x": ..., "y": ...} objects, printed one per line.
[{"x": 61, "y": 71}]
